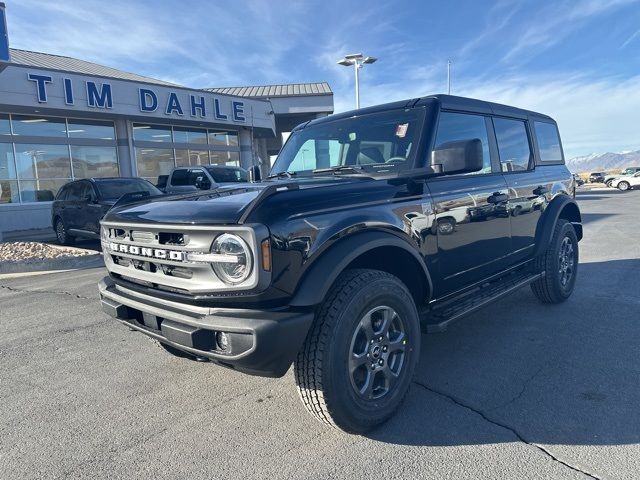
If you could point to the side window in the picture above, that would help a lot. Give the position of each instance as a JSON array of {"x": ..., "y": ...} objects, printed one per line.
[
  {"x": 464, "y": 126},
  {"x": 548, "y": 141},
  {"x": 513, "y": 144},
  {"x": 62, "y": 193},
  {"x": 75, "y": 192},
  {"x": 194, "y": 174},
  {"x": 180, "y": 177}
]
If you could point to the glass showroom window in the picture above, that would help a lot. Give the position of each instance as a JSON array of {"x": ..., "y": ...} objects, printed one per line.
[
  {"x": 229, "y": 139},
  {"x": 39, "y": 126},
  {"x": 151, "y": 133},
  {"x": 42, "y": 170},
  {"x": 91, "y": 129},
  {"x": 153, "y": 162},
  {"x": 189, "y": 135},
  {"x": 5, "y": 125},
  {"x": 90, "y": 161},
  {"x": 187, "y": 158},
  {"x": 225, "y": 158},
  {"x": 8, "y": 180}
]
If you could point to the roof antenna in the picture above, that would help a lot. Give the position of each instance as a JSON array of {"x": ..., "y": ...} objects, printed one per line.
[{"x": 448, "y": 77}]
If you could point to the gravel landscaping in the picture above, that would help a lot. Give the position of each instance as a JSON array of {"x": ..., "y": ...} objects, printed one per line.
[
  {"x": 37, "y": 256},
  {"x": 36, "y": 251}
]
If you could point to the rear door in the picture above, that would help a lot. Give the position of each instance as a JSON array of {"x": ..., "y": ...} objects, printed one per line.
[
  {"x": 529, "y": 187},
  {"x": 471, "y": 222},
  {"x": 70, "y": 214}
]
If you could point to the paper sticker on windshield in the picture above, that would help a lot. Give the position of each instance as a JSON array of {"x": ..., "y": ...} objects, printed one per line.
[{"x": 401, "y": 130}]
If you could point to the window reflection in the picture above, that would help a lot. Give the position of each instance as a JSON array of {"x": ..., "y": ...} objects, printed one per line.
[
  {"x": 187, "y": 135},
  {"x": 5, "y": 127},
  {"x": 7, "y": 164},
  {"x": 151, "y": 133},
  {"x": 9, "y": 191},
  {"x": 91, "y": 129},
  {"x": 153, "y": 162},
  {"x": 36, "y": 161},
  {"x": 39, "y": 126},
  {"x": 94, "y": 161}
]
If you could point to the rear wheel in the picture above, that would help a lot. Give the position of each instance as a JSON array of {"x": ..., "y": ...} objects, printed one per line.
[
  {"x": 624, "y": 186},
  {"x": 62, "y": 236},
  {"x": 559, "y": 264},
  {"x": 358, "y": 360}
]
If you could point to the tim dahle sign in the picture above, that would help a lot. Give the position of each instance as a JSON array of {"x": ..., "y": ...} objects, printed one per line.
[
  {"x": 101, "y": 95},
  {"x": 66, "y": 94}
]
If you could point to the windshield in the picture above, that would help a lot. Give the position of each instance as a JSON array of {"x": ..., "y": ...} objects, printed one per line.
[
  {"x": 229, "y": 175},
  {"x": 114, "y": 189},
  {"x": 377, "y": 142}
]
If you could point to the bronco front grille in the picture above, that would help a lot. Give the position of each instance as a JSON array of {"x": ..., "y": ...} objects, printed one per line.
[{"x": 157, "y": 255}]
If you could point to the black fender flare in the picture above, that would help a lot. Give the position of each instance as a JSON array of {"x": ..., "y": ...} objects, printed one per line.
[
  {"x": 318, "y": 278},
  {"x": 562, "y": 205}
]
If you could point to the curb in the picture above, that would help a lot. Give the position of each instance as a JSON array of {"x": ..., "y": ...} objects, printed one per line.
[{"x": 70, "y": 263}]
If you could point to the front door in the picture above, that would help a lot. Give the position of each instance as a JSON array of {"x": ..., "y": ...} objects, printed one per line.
[{"x": 471, "y": 219}]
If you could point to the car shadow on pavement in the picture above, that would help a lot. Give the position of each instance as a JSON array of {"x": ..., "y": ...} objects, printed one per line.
[{"x": 520, "y": 370}]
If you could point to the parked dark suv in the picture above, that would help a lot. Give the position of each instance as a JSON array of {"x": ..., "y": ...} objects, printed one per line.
[
  {"x": 205, "y": 177},
  {"x": 597, "y": 177},
  {"x": 80, "y": 205},
  {"x": 374, "y": 224}
]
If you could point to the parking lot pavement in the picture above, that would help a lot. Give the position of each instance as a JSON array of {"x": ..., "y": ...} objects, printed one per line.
[{"x": 517, "y": 390}]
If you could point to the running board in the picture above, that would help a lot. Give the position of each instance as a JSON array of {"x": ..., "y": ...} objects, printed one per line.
[{"x": 439, "y": 318}]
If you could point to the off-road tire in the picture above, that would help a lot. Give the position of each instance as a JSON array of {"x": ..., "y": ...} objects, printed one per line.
[
  {"x": 62, "y": 236},
  {"x": 549, "y": 288},
  {"x": 321, "y": 372}
]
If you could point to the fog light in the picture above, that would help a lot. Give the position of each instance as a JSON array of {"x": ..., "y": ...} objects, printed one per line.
[{"x": 222, "y": 340}]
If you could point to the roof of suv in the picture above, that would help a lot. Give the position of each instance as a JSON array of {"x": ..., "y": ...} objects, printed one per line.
[{"x": 445, "y": 101}]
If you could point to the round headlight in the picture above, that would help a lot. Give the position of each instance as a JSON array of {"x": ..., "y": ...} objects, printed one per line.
[{"x": 236, "y": 267}]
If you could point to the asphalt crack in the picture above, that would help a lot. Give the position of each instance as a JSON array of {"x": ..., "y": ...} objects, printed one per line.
[
  {"x": 22, "y": 290},
  {"x": 513, "y": 430},
  {"x": 523, "y": 389}
]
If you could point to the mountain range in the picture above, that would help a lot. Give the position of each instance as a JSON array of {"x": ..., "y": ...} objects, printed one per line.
[{"x": 604, "y": 161}]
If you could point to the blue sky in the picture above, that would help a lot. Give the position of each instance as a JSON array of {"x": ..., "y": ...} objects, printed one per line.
[{"x": 578, "y": 61}]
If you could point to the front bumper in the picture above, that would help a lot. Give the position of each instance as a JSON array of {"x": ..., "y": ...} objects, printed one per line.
[{"x": 261, "y": 342}]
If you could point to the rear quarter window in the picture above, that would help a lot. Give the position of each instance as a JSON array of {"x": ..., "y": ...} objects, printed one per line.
[{"x": 548, "y": 142}]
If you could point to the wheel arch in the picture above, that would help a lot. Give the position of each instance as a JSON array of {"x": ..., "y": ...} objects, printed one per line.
[
  {"x": 374, "y": 250},
  {"x": 563, "y": 207}
]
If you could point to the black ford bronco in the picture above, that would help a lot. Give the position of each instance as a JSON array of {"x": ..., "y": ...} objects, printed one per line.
[{"x": 374, "y": 225}]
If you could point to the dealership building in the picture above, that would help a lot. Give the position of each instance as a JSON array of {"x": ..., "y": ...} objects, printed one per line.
[{"x": 63, "y": 118}]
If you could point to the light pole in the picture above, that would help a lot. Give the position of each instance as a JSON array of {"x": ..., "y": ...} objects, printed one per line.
[{"x": 357, "y": 60}]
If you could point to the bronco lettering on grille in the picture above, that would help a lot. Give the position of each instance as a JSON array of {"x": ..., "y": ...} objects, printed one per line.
[{"x": 148, "y": 252}]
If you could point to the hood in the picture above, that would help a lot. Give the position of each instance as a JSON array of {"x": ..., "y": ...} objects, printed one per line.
[
  {"x": 220, "y": 206},
  {"x": 224, "y": 205}
]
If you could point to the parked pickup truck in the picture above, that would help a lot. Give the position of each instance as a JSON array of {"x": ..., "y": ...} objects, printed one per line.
[
  {"x": 338, "y": 260},
  {"x": 206, "y": 177}
]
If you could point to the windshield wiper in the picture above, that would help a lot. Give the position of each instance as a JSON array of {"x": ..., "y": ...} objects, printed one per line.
[
  {"x": 341, "y": 168},
  {"x": 284, "y": 174}
]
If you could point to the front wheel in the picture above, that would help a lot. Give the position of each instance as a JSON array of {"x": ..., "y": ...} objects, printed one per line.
[
  {"x": 358, "y": 360},
  {"x": 624, "y": 186},
  {"x": 559, "y": 264}
]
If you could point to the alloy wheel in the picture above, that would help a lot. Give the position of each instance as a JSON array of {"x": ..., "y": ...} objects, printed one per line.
[
  {"x": 61, "y": 233},
  {"x": 567, "y": 260},
  {"x": 377, "y": 353}
]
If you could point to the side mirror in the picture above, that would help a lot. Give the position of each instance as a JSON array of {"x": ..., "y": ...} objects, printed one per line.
[
  {"x": 203, "y": 183},
  {"x": 460, "y": 156},
  {"x": 254, "y": 174}
]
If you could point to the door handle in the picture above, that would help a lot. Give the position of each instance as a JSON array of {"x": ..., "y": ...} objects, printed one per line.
[
  {"x": 540, "y": 190},
  {"x": 498, "y": 198}
]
